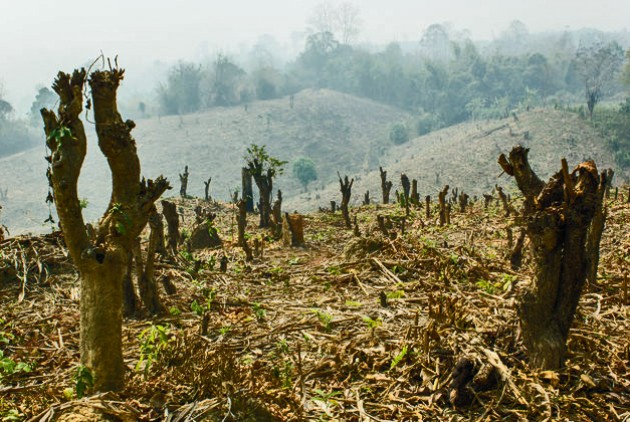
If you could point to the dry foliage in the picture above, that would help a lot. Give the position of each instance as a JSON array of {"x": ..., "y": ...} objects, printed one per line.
[{"x": 420, "y": 325}]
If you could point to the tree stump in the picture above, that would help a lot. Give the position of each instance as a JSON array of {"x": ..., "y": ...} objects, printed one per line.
[
  {"x": 486, "y": 200},
  {"x": 207, "y": 189},
  {"x": 406, "y": 185},
  {"x": 463, "y": 202},
  {"x": 558, "y": 218},
  {"x": 504, "y": 200},
  {"x": 183, "y": 178},
  {"x": 346, "y": 193},
  {"x": 386, "y": 186},
  {"x": 242, "y": 225},
  {"x": 204, "y": 235},
  {"x": 293, "y": 230},
  {"x": 427, "y": 200},
  {"x": 442, "y": 204},
  {"x": 276, "y": 212},
  {"x": 248, "y": 190},
  {"x": 169, "y": 210},
  {"x": 415, "y": 196}
]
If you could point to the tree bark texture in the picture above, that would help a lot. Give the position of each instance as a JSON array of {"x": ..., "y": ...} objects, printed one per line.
[
  {"x": 558, "y": 217},
  {"x": 103, "y": 261}
]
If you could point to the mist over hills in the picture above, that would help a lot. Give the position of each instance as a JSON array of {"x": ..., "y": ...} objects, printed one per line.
[{"x": 339, "y": 132}]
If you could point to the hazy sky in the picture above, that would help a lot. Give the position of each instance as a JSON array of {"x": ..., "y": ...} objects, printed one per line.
[{"x": 39, "y": 37}]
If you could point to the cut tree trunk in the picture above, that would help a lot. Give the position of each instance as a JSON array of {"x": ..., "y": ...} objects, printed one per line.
[
  {"x": 242, "y": 225},
  {"x": 248, "y": 190},
  {"x": 183, "y": 178},
  {"x": 442, "y": 205},
  {"x": 207, "y": 189},
  {"x": 293, "y": 232},
  {"x": 559, "y": 217},
  {"x": 169, "y": 210},
  {"x": 386, "y": 186},
  {"x": 277, "y": 216},
  {"x": 101, "y": 261},
  {"x": 346, "y": 193}
]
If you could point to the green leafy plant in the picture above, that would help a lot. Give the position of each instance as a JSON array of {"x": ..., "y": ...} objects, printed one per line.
[
  {"x": 83, "y": 380},
  {"x": 372, "y": 324},
  {"x": 334, "y": 270},
  {"x": 122, "y": 218},
  {"x": 58, "y": 133},
  {"x": 197, "y": 308},
  {"x": 153, "y": 340},
  {"x": 259, "y": 311},
  {"x": 12, "y": 415},
  {"x": 325, "y": 319},
  {"x": 83, "y": 203},
  {"x": 396, "y": 294},
  {"x": 325, "y": 397},
  {"x": 486, "y": 286},
  {"x": 398, "y": 358}
]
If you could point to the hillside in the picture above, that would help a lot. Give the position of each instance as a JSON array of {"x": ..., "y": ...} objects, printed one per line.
[
  {"x": 344, "y": 328},
  {"x": 465, "y": 156},
  {"x": 337, "y": 131}
]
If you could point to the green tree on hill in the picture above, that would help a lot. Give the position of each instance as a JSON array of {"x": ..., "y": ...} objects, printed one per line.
[{"x": 304, "y": 170}]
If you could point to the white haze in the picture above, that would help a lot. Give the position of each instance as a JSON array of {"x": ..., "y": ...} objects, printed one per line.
[{"x": 40, "y": 37}]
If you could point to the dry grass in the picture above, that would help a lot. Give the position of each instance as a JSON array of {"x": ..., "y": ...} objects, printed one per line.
[{"x": 302, "y": 333}]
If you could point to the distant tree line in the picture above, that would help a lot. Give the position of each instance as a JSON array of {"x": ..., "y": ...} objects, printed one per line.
[
  {"x": 445, "y": 79},
  {"x": 15, "y": 134}
]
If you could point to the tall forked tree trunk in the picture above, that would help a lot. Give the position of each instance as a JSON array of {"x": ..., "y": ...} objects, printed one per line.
[
  {"x": 101, "y": 320},
  {"x": 558, "y": 217},
  {"x": 102, "y": 261}
]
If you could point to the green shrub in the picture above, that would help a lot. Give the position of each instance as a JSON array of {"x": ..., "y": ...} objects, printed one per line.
[{"x": 399, "y": 134}]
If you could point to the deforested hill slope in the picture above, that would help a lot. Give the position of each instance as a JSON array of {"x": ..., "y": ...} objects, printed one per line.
[
  {"x": 337, "y": 131},
  {"x": 465, "y": 156}
]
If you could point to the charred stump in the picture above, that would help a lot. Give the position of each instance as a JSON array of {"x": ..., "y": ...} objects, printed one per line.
[
  {"x": 277, "y": 216},
  {"x": 415, "y": 196},
  {"x": 558, "y": 218},
  {"x": 169, "y": 210},
  {"x": 242, "y": 225},
  {"x": 207, "y": 189},
  {"x": 442, "y": 204},
  {"x": 204, "y": 234},
  {"x": 346, "y": 193},
  {"x": 248, "y": 190},
  {"x": 183, "y": 178},
  {"x": 486, "y": 200},
  {"x": 386, "y": 186},
  {"x": 504, "y": 200},
  {"x": 463, "y": 202}
]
